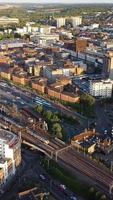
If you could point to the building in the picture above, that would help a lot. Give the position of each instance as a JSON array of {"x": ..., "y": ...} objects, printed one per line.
[
  {"x": 76, "y": 21},
  {"x": 39, "y": 84},
  {"x": 108, "y": 65},
  {"x": 54, "y": 72},
  {"x": 101, "y": 88},
  {"x": 60, "y": 22},
  {"x": 5, "y": 75},
  {"x": 10, "y": 155},
  {"x": 6, "y": 20},
  {"x": 11, "y": 44},
  {"x": 86, "y": 141},
  {"x": 64, "y": 96},
  {"x": 20, "y": 80},
  {"x": 45, "y": 39},
  {"x": 81, "y": 45},
  {"x": 44, "y": 29}
]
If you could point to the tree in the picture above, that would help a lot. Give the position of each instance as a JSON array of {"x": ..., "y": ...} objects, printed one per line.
[
  {"x": 55, "y": 118},
  {"x": 17, "y": 35},
  {"x": 57, "y": 130},
  {"x": 87, "y": 99},
  {"x": 103, "y": 197},
  {"x": 59, "y": 135},
  {"x": 87, "y": 103},
  {"x": 39, "y": 108},
  {"x": 48, "y": 115},
  {"x": 1, "y": 36},
  {"x": 97, "y": 195}
]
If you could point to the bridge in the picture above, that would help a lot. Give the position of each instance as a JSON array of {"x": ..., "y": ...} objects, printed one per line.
[{"x": 66, "y": 156}]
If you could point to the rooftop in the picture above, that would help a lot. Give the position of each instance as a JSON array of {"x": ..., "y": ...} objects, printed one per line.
[{"x": 7, "y": 136}]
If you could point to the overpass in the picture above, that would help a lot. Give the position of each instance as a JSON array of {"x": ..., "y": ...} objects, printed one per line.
[
  {"x": 38, "y": 149},
  {"x": 68, "y": 157}
]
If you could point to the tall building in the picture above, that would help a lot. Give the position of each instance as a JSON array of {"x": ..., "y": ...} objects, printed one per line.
[
  {"x": 101, "y": 88},
  {"x": 76, "y": 21},
  {"x": 60, "y": 22},
  {"x": 10, "y": 155},
  {"x": 108, "y": 65}
]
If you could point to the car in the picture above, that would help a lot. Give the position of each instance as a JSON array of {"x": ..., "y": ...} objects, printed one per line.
[
  {"x": 73, "y": 198},
  {"x": 18, "y": 98},
  {"x": 42, "y": 177},
  {"x": 62, "y": 187},
  {"x": 22, "y": 103}
]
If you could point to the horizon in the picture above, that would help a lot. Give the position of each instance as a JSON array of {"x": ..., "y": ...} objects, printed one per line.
[{"x": 56, "y": 2}]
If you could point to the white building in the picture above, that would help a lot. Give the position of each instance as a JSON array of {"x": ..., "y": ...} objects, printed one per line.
[
  {"x": 45, "y": 39},
  {"x": 76, "y": 21},
  {"x": 10, "y": 155},
  {"x": 16, "y": 43},
  {"x": 60, "y": 22},
  {"x": 101, "y": 88}
]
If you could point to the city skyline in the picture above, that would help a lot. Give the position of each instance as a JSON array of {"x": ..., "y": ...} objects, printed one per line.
[{"x": 56, "y": 1}]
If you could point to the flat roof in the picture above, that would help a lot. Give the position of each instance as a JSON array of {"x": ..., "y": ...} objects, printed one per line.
[{"x": 7, "y": 136}]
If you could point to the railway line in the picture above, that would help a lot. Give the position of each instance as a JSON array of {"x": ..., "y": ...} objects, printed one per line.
[{"x": 70, "y": 158}]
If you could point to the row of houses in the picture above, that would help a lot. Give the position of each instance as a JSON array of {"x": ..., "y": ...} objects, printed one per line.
[{"x": 41, "y": 86}]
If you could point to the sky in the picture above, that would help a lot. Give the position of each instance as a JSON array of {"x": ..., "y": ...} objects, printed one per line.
[{"x": 58, "y": 1}]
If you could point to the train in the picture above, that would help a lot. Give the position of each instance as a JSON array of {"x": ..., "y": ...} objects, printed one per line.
[
  {"x": 44, "y": 140},
  {"x": 60, "y": 141},
  {"x": 3, "y": 126}
]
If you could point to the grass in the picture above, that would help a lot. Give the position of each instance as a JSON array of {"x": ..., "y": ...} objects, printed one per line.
[{"x": 66, "y": 178}]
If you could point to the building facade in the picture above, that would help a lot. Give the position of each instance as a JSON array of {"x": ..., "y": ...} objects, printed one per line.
[
  {"x": 76, "y": 21},
  {"x": 60, "y": 22},
  {"x": 101, "y": 88},
  {"x": 10, "y": 155}
]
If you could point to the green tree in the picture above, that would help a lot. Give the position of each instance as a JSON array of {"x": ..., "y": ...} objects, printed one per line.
[
  {"x": 87, "y": 103},
  {"x": 87, "y": 99},
  {"x": 57, "y": 130},
  {"x": 103, "y": 197},
  {"x": 17, "y": 35},
  {"x": 55, "y": 118},
  {"x": 48, "y": 115},
  {"x": 39, "y": 109},
  {"x": 1, "y": 37},
  {"x": 97, "y": 195}
]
